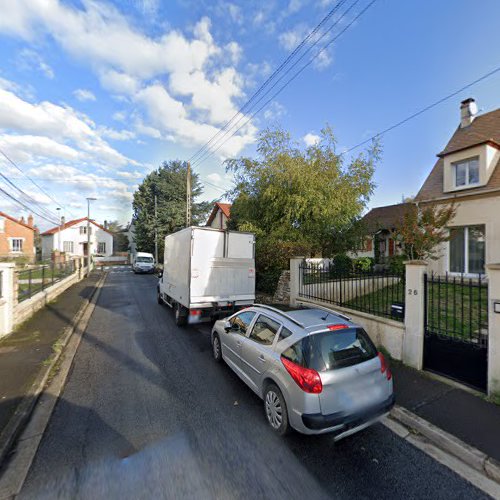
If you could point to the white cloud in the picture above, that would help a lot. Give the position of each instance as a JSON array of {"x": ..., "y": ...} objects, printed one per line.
[
  {"x": 214, "y": 177},
  {"x": 323, "y": 60},
  {"x": 117, "y": 135},
  {"x": 201, "y": 83},
  {"x": 294, "y": 6},
  {"x": 311, "y": 139},
  {"x": 31, "y": 60},
  {"x": 291, "y": 38},
  {"x": 84, "y": 95},
  {"x": 119, "y": 116},
  {"x": 130, "y": 175},
  {"x": 275, "y": 111}
]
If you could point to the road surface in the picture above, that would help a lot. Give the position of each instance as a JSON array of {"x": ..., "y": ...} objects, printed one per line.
[{"x": 147, "y": 413}]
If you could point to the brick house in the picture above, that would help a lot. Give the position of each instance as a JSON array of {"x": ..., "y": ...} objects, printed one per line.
[
  {"x": 219, "y": 215},
  {"x": 17, "y": 237}
]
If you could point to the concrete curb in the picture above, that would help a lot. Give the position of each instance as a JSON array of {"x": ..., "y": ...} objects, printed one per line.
[
  {"x": 24, "y": 411},
  {"x": 448, "y": 443}
]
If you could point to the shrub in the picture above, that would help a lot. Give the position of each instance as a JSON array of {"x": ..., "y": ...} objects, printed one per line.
[
  {"x": 396, "y": 264},
  {"x": 364, "y": 264},
  {"x": 342, "y": 264}
]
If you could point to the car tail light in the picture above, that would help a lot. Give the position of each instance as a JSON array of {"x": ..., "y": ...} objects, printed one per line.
[
  {"x": 195, "y": 312},
  {"x": 306, "y": 378},
  {"x": 339, "y": 326},
  {"x": 384, "y": 367}
]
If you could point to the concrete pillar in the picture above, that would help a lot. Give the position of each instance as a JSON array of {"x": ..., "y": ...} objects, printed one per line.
[
  {"x": 7, "y": 298},
  {"x": 493, "y": 271},
  {"x": 413, "y": 341},
  {"x": 295, "y": 279}
]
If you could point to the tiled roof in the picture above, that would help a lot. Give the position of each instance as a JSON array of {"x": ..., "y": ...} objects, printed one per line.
[
  {"x": 484, "y": 129},
  {"x": 387, "y": 217},
  {"x": 13, "y": 219},
  {"x": 224, "y": 207},
  {"x": 70, "y": 223}
]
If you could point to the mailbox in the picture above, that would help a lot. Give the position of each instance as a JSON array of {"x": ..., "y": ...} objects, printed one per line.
[{"x": 398, "y": 310}]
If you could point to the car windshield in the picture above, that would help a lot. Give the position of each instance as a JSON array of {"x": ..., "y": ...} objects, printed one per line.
[
  {"x": 144, "y": 259},
  {"x": 332, "y": 349}
]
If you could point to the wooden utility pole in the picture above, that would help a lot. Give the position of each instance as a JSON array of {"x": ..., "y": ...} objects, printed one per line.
[
  {"x": 156, "y": 227},
  {"x": 188, "y": 196}
]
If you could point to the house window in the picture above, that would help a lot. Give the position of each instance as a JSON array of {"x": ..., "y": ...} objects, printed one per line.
[
  {"x": 101, "y": 247},
  {"x": 467, "y": 172},
  {"x": 83, "y": 229},
  {"x": 68, "y": 246},
  {"x": 16, "y": 244},
  {"x": 467, "y": 249}
]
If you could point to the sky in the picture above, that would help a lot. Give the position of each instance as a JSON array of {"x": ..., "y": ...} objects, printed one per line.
[{"x": 94, "y": 95}]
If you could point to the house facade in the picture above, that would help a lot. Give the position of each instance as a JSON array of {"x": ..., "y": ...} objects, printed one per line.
[
  {"x": 17, "y": 237},
  {"x": 219, "y": 216},
  {"x": 467, "y": 173},
  {"x": 71, "y": 237}
]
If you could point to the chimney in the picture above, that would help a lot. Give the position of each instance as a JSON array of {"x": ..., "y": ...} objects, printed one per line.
[
  {"x": 63, "y": 220},
  {"x": 30, "y": 220},
  {"x": 105, "y": 224},
  {"x": 21, "y": 220},
  {"x": 468, "y": 111}
]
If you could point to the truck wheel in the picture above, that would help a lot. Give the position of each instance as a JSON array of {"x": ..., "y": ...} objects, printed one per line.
[
  {"x": 160, "y": 300},
  {"x": 180, "y": 315}
]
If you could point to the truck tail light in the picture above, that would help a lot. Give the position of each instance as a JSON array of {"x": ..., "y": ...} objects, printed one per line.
[
  {"x": 195, "y": 312},
  {"x": 306, "y": 378}
]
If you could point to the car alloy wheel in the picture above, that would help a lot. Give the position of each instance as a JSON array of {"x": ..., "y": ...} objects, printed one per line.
[
  {"x": 216, "y": 349},
  {"x": 274, "y": 410}
]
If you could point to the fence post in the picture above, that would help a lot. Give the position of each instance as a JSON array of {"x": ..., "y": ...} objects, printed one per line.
[
  {"x": 7, "y": 299},
  {"x": 413, "y": 341},
  {"x": 295, "y": 279},
  {"x": 493, "y": 271}
]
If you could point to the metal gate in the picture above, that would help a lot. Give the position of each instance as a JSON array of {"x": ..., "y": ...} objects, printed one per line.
[{"x": 456, "y": 328}]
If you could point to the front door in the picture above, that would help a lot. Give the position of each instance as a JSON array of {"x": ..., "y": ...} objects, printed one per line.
[
  {"x": 232, "y": 340},
  {"x": 257, "y": 350},
  {"x": 85, "y": 249}
]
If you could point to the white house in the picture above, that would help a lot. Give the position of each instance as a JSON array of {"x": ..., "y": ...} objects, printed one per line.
[
  {"x": 71, "y": 237},
  {"x": 219, "y": 216}
]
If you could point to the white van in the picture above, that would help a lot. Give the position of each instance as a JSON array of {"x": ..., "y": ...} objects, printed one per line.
[{"x": 143, "y": 263}]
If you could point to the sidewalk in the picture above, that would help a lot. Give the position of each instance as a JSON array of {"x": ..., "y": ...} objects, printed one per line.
[
  {"x": 468, "y": 417},
  {"x": 24, "y": 353}
]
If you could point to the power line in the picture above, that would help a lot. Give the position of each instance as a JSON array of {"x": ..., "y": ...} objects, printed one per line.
[
  {"x": 295, "y": 75},
  {"x": 270, "y": 78},
  {"x": 14, "y": 164},
  {"x": 423, "y": 110}
]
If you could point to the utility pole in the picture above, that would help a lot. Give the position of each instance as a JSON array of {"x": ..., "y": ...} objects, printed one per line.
[
  {"x": 188, "y": 196},
  {"x": 88, "y": 233},
  {"x": 156, "y": 226},
  {"x": 59, "y": 229}
]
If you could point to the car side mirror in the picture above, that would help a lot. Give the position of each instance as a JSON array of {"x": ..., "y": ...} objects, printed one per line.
[{"x": 228, "y": 326}]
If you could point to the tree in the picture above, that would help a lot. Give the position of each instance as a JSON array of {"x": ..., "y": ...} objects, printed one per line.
[
  {"x": 423, "y": 229},
  {"x": 299, "y": 200},
  {"x": 120, "y": 238},
  {"x": 169, "y": 184}
]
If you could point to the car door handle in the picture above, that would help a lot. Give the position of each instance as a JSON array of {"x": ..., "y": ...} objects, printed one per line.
[
  {"x": 238, "y": 344},
  {"x": 262, "y": 358}
]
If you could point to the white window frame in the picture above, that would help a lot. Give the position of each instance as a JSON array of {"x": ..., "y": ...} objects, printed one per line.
[
  {"x": 466, "y": 253},
  {"x": 11, "y": 244},
  {"x": 99, "y": 243},
  {"x": 467, "y": 163},
  {"x": 2, "y": 224},
  {"x": 70, "y": 244}
]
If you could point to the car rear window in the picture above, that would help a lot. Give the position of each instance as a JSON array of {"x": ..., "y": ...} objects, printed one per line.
[{"x": 333, "y": 349}]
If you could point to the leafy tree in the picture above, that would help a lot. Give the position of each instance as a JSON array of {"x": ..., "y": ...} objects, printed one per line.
[
  {"x": 120, "y": 238},
  {"x": 299, "y": 200},
  {"x": 169, "y": 184},
  {"x": 423, "y": 229}
]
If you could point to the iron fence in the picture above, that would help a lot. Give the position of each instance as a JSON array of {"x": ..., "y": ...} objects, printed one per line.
[
  {"x": 378, "y": 293},
  {"x": 36, "y": 279},
  {"x": 457, "y": 306}
]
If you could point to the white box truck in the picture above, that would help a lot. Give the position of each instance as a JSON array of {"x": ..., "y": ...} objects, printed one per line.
[{"x": 207, "y": 273}]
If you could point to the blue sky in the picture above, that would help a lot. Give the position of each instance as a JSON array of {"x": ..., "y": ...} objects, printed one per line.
[{"x": 93, "y": 95}]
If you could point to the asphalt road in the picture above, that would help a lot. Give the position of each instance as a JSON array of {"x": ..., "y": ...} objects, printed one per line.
[{"x": 147, "y": 413}]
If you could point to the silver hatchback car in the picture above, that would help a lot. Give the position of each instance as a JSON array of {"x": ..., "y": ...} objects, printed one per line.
[{"x": 316, "y": 370}]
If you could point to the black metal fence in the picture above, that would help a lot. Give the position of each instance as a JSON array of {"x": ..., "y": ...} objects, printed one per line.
[
  {"x": 457, "y": 306},
  {"x": 36, "y": 279},
  {"x": 380, "y": 293}
]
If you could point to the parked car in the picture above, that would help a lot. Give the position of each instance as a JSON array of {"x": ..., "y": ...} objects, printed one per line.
[
  {"x": 143, "y": 263},
  {"x": 316, "y": 371}
]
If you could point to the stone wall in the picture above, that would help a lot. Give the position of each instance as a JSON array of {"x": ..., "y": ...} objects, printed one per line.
[{"x": 282, "y": 293}]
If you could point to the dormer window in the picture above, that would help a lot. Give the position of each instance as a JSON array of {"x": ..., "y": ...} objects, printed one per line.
[{"x": 467, "y": 172}]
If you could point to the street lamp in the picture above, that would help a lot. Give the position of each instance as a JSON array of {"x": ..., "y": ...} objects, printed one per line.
[{"x": 88, "y": 233}]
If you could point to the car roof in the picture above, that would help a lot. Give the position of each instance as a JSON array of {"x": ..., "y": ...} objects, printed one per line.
[{"x": 308, "y": 318}]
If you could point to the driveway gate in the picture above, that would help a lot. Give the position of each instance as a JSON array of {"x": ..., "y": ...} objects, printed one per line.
[{"x": 456, "y": 328}]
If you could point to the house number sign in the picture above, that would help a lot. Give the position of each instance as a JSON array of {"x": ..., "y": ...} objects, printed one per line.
[{"x": 412, "y": 291}]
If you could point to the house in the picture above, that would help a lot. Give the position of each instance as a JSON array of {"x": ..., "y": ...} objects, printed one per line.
[
  {"x": 17, "y": 237},
  {"x": 467, "y": 172},
  {"x": 71, "y": 237},
  {"x": 219, "y": 216},
  {"x": 380, "y": 224},
  {"x": 131, "y": 238}
]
